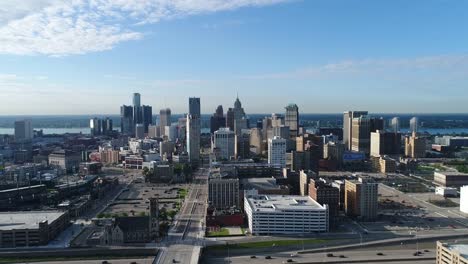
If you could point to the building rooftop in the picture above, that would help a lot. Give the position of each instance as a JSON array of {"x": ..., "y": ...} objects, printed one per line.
[
  {"x": 260, "y": 183},
  {"x": 27, "y": 220},
  {"x": 274, "y": 203}
]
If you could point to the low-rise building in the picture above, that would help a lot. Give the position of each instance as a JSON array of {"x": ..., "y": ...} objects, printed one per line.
[
  {"x": 223, "y": 192},
  {"x": 324, "y": 193},
  {"x": 285, "y": 215},
  {"x": 451, "y": 179},
  {"x": 361, "y": 199},
  {"x": 446, "y": 191},
  {"x": 65, "y": 159},
  {"x": 464, "y": 199},
  {"x": 31, "y": 228}
]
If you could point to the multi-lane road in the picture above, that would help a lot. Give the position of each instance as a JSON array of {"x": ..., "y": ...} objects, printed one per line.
[{"x": 185, "y": 238}]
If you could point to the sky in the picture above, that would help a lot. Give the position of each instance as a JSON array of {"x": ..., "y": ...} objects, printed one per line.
[{"x": 327, "y": 56}]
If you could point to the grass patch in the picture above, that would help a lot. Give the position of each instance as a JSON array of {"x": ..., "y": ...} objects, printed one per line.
[
  {"x": 182, "y": 193},
  {"x": 269, "y": 244},
  {"x": 223, "y": 232},
  {"x": 444, "y": 203}
]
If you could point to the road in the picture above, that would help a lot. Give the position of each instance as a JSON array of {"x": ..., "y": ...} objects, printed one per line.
[{"x": 185, "y": 237}]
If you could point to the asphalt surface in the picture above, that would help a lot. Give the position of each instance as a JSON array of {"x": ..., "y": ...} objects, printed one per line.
[{"x": 185, "y": 237}]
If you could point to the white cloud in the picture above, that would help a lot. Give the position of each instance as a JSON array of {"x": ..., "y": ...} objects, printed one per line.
[{"x": 59, "y": 28}]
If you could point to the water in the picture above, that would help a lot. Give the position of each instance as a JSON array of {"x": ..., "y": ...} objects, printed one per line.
[{"x": 48, "y": 131}]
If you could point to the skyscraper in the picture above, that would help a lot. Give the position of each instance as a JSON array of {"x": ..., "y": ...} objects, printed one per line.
[
  {"x": 95, "y": 125},
  {"x": 292, "y": 119},
  {"x": 348, "y": 117},
  {"x": 361, "y": 129},
  {"x": 194, "y": 107},
  {"x": 224, "y": 143},
  {"x": 230, "y": 119},
  {"x": 238, "y": 110},
  {"x": 277, "y": 151},
  {"x": 126, "y": 120},
  {"x": 23, "y": 130},
  {"x": 147, "y": 116},
  {"x": 361, "y": 198},
  {"x": 137, "y": 110},
  {"x": 414, "y": 124},
  {"x": 395, "y": 124},
  {"x": 194, "y": 131},
  {"x": 217, "y": 120},
  {"x": 385, "y": 143},
  {"x": 164, "y": 119},
  {"x": 139, "y": 131},
  {"x": 415, "y": 147}
]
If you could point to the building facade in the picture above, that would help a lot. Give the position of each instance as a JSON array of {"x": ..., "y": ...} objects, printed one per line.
[
  {"x": 277, "y": 151},
  {"x": 361, "y": 199}
]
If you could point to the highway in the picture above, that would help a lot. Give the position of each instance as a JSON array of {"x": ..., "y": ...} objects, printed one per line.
[{"x": 185, "y": 237}]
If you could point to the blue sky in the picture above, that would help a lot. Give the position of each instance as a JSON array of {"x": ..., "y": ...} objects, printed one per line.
[{"x": 89, "y": 56}]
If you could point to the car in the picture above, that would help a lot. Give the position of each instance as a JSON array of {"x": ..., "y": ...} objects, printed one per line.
[
  {"x": 133, "y": 262},
  {"x": 330, "y": 255},
  {"x": 174, "y": 261},
  {"x": 268, "y": 257},
  {"x": 289, "y": 261},
  {"x": 380, "y": 254},
  {"x": 342, "y": 256},
  {"x": 105, "y": 262},
  {"x": 427, "y": 250},
  {"x": 253, "y": 257}
]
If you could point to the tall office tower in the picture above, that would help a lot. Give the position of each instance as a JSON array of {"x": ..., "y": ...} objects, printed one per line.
[
  {"x": 256, "y": 140},
  {"x": 292, "y": 119},
  {"x": 224, "y": 144},
  {"x": 194, "y": 130},
  {"x": 360, "y": 135},
  {"x": 376, "y": 124},
  {"x": 193, "y": 139},
  {"x": 361, "y": 199},
  {"x": 137, "y": 110},
  {"x": 109, "y": 124},
  {"x": 147, "y": 116},
  {"x": 194, "y": 107},
  {"x": 238, "y": 110},
  {"x": 277, "y": 151},
  {"x": 230, "y": 119},
  {"x": 395, "y": 125},
  {"x": 415, "y": 147},
  {"x": 136, "y": 99},
  {"x": 334, "y": 151},
  {"x": 240, "y": 124},
  {"x": 126, "y": 120},
  {"x": 217, "y": 120},
  {"x": 243, "y": 146},
  {"x": 95, "y": 126},
  {"x": 385, "y": 143},
  {"x": 347, "y": 126},
  {"x": 281, "y": 131},
  {"x": 171, "y": 132},
  {"x": 414, "y": 124},
  {"x": 139, "y": 131},
  {"x": 277, "y": 120},
  {"x": 164, "y": 119},
  {"x": 23, "y": 130},
  {"x": 153, "y": 131}
]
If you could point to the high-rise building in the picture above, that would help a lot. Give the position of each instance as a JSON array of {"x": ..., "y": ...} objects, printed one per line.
[
  {"x": 385, "y": 143},
  {"x": 95, "y": 125},
  {"x": 139, "y": 131},
  {"x": 361, "y": 198},
  {"x": 194, "y": 131},
  {"x": 223, "y": 193},
  {"x": 414, "y": 124},
  {"x": 415, "y": 146},
  {"x": 239, "y": 125},
  {"x": 126, "y": 120},
  {"x": 164, "y": 120},
  {"x": 194, "y": 107},
  {"x": 395, "y": 125},
  {"x": 360, "y": 139},
  {"x": 23, "y": 130},
  {"x": 137, "y": 109},
  {"x": 325, "y": 193},
  {"x": 147, "y": 116},
  {"x": 217, "y": 120},
  {"x": 304, "y": 178},
  {"x": 256, "y": 140},
  {"x": 224, "y": 144},
  {"x": 348, "y": 117},
  {"x": 243, "y": 146},
  {"x": 334, "y": 151},
  {"x": 238, "y": 110},
  {"x": 136, "y": 99},
  {"x": 153, "y": 131},
  {"x": 277, "y": 151},
  {"x": 230, "y": 119},
  {"x": 291, "y": 119}
]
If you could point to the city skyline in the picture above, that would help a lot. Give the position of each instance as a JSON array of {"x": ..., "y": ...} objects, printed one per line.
[{"x": 328, "y": 56}]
